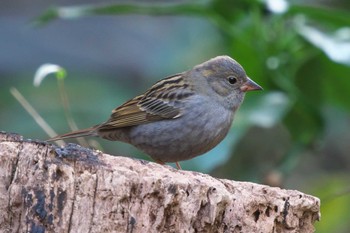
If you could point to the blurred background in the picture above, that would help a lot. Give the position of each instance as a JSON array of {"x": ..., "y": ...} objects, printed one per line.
[{"x": 295, "y": 134}]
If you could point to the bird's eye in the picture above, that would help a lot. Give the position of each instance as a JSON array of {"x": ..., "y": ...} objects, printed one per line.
[{"x": 232, "y": 80}]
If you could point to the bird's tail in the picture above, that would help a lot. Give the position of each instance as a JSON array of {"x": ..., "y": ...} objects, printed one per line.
[{"x": 92, "y": 131}]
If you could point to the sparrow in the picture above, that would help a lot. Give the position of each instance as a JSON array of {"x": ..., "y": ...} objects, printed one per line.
[{"x": 181, "y": 116}]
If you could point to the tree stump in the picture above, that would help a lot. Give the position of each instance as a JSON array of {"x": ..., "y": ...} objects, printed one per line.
[{"x": 44, "y": 188}]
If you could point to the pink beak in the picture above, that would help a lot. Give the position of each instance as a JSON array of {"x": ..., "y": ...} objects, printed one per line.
[{"x": 250, "y": 85}]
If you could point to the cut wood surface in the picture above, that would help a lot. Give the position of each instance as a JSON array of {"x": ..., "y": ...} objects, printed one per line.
[{"x": 44, "y": 188}]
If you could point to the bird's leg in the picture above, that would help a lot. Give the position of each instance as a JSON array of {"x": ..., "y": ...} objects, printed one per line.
[
  {"x": 159, "y": 162},
  {"x": 162, "y": 163},
  {"x": 178, "y": 165}
]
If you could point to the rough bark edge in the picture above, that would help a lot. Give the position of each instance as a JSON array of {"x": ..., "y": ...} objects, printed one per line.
[{"x": 44, "y": 188}]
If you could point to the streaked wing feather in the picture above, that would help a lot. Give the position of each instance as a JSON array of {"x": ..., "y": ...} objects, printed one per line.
[
  {"x": 159, "y": 107},
  {"x": 156, "y": 104}
]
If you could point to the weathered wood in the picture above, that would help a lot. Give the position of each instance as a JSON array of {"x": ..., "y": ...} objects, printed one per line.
[{"x": 44, "y": 188}]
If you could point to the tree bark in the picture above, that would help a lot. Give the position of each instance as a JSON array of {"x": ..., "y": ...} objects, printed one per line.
[{"x": 44, "y": 188}]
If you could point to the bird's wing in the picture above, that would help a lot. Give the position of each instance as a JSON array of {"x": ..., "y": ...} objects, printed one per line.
[{"x": 156, "y": 104}]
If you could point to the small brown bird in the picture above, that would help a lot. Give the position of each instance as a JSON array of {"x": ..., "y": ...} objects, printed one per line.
[{"x": 179, "y": 117}]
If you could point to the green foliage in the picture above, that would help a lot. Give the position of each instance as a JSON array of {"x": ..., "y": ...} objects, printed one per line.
[{"x": 334, "y": 193}]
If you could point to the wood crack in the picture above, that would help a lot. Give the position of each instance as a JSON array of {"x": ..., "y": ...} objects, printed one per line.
[
  {"x": 93, "y": 204},
  {"x": 73, "y": 201}
]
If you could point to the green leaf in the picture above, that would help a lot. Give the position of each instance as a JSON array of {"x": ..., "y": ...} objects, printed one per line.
[
  {"x": 304, "y": 122},
  {"x": 336, "y": 45},
  {"x": 322, "y": 15},
  {"x": 73, "y": 12}
]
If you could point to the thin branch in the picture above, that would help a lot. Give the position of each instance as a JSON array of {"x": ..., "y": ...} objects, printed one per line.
[{"x": 38, "y": 119}]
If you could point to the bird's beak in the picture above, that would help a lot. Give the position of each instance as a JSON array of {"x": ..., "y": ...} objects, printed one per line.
[{"x": 250, "y": 85}]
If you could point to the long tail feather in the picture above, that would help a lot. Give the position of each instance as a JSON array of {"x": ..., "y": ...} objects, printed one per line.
[{"x": 76, "y": 134}]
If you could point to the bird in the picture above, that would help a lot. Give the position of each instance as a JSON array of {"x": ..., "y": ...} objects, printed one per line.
[{"x": 181, "y": 116}]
